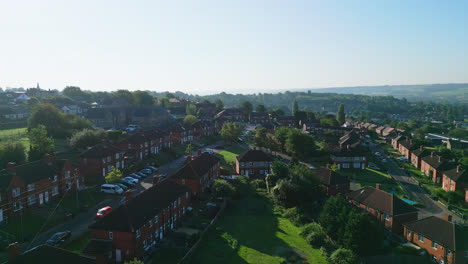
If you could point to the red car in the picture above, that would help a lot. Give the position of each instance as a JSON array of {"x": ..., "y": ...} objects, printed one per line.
[{"x": 103, "y": 212}]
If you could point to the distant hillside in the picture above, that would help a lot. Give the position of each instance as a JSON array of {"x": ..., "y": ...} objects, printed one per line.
[{"x": 441, "y": 93}]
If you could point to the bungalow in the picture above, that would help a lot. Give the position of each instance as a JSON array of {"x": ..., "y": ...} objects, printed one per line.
[
  {"x": 36, "y": 183},
  {"x": 433, "y": 166},
  {"x": 332, "y": 182},
  {"x": 141, "y": 222},
  {"x": 417, "y": 155},
  {"x": 396, "y": 141},
  {"x": 445, "y": 241},
  {"x": 253, "y": 162},
  {"x": 406, "y": 146},
  {"x": 198, "y": 173},
  {"x": 258, "y": 118},
  {"x": 349, "y": 158},
  {"x": 46, "y": 254},
  {"x": 455, "y": 179},
  {"x": 99, "y": 160},
  {"x": 387, "y": 208},
  {"x": 231, "y": 114}
]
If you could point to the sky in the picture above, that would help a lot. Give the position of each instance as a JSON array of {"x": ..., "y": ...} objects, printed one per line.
[{"x": 252, "y": 46}]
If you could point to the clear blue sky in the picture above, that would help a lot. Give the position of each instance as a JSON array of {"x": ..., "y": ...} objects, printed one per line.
[{"x": 233, "y": 46}]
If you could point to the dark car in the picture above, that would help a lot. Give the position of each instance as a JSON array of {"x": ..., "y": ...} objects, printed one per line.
[
  {"x": 122, "y": 186},
  {"x": 58, "y": 238},
  {"x": 128, "y": 185}
]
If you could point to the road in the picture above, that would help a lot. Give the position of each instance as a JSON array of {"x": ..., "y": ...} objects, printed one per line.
[
  {"x": 79, "y": 224},
  {"x": 414, "y": 191}
]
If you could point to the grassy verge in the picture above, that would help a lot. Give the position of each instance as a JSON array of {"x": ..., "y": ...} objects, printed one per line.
[
  {"x": 370, "y": 177},
  {"x": 252, "y": 231}
]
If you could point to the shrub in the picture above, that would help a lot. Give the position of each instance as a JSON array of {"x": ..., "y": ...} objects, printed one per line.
[
  {"x": 343, "y": 256},
  {"x": 309, "y": 228},
  {"x": 316, "y": 239},
  {"x": 258, "y": 184},
  {"x": 294, "y": 216}
]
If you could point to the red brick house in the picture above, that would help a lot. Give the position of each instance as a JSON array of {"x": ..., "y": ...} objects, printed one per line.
[
  {"x": 390, "y": 210},
  {"x": 98, "y": 160},
  {"x": 348, "y": 158},
  {"x": 332, "y": 182},
  {"x": 388, "y": 131},
  {"x": 141, "y": 222},
  {"x": 288, "y": 121},
  {"x": 417, "y": 155},
  {"x": 351, "y": 139},
  {"x": 445, "y": 241},
  {"x": 231, "y": 114},
  {"x": 406, "y": 146},
  {"x": 198, "y": 173},
  {"x": 432, "y": 166},
  {"x": 36, "y": 183},
  {"x": 253, "y": 162},
  {"x": 379, "y": 130},
  {"x": 455, "y": 179},
  {"x": 136, "y": 146},
  {"x": 396, "y": 141},
  {"x": 258, "y": 118}
]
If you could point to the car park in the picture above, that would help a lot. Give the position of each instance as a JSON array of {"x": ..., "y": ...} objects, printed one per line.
[
  {"x": 111, "y": 188},
  {"x": 58, "y": 238},
  {"x": 142, "y": 175},
  {"x": 103, "y": 212}
]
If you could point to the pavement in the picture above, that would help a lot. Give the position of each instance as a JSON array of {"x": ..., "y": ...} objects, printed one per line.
[{"x": 415, "y": 192}]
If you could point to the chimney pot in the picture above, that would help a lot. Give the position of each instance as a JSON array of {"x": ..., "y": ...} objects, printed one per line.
[
  {"x": 448, "y": 218},
  {"x": 377, "y": 186},
  {"x": 432, "y": 153},
  {"x": 13, "y": 250},
  {"x": 458, "y": 168},
  {"x": 440, "y": 158}
]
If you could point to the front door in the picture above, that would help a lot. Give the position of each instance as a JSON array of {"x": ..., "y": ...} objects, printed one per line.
[
  {"x": 41, "y": 198},
  {"x": 46, "y": 197},
  {"x": 1, "y": 215},
  {"x": 118, "y": 255},
  {"x": 247, "y": 173}
]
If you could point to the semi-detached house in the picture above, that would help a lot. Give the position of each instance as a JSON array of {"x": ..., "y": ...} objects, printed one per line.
[
  {"x": 455, "y": 179},
  {"x": 99, "y": 160},
  {"x": 253, "y": 162},
  {"x": 141, "y": 222}
]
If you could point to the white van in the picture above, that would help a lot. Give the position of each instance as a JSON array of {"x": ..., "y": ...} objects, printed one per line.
[{"x": 111, "y": 188}]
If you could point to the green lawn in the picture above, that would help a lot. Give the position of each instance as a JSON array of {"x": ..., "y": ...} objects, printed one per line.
[
  {"x": 370, "y": 177},
  {"x": 252, "y": 231},
  {"x": 79, "y": 244},
  {"x": 228, "y": 156},
  {"x": 15, "y": 135}
]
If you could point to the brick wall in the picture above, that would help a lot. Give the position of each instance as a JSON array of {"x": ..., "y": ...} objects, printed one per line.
[{"x": 439, "y": 252}]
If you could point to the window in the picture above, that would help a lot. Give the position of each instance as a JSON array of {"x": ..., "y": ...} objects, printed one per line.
[
  {"x": 30, "y": 187},
  {"x": 104, "y": 161},
  {"x": 103, "y": 172},
  {"x": 409, "y": 233},
  {"x": 345, "y": 165},
  {"x": 150, "y": 223},
  {"x": 117, "y": 155},
  {"x": 420, "y": 238},
  {"x": 67, "y": 186},
  {"x": 17, "y": 206},
  {"x": 175, "y": 203},
  {"x": 138, "y": 233},
  {"x": 16, "y": 192},
  {"x": 367, "y": 208},
  {"x": 448, "y": 252},
  {"x": 31, "y": 199},
  {"x": 111, "y": 235},
  {"x": 67, "y": 174},
  {"x": 186, "y": 195},
  {"x": 356, "y": 165},
  {"x": 123, "y": 165},
  {"x": 144, "y": 243},
  {"x": 434, "y": 245},
  {"x": 251, "y": 163},
  {"x": 109, "y": 168},
  {"x": 55, "y": 191},
  {"x": 357, "y": 204},
  {"x": 179, "y": 200},
  {"x": 129, "y": 146},
  {"x": 108, "y": 158},
  {"x": 156, "y": 219},
  {"x": 117, "y": 165},
  {"x": 55, "y": 178},
  {"x": 387, "y": 217}
]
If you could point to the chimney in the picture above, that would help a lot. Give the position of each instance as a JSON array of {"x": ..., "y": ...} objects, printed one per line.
[
  {"x": 378, "y": 187},
  {"x": 440, "y": 159},
  {"x": 458, "y": 168},
  {"x": 48, "y": 159},
  {"x": 128, "y": 196},
  {"x": 432, "y": 154},
  {"x": 13, "y": 250},
  {"x": 155, "y": 179},
  {"x": 348, "y": 146},
  {"x": 448, "y": 218},
  {"x": 11, "y": 167},
  {"x": 421, "y": 148},
  {"x": 198, "y": 152}
]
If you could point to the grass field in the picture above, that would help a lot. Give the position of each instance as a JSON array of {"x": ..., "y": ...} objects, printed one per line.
[
  {"x": 370, "y": 177},
  {"x": 252, "y": 231},
  {"x": 229, "y": 155},
  {"x": 15, "y": 135}
]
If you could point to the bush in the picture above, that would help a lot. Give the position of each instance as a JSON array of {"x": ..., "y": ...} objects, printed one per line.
[
  {"x": 343, "y": 256},
  {"x": 316, "y": 239},
  {"x": 258, "y": 184},
  {"x": 310, "y": 228},
  {"x": 294, "y": 215},
  {"x": 221, "y": 188}
]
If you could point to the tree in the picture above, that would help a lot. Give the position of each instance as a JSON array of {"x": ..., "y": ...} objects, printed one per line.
[
  {"x": 276, "y": 112},
  {"x": 122, "y": 96},
  {"x": 295, "y": 107},
  {"x": 260, "y": 137},
  {"x": 12, "y": 152},
  {"x": 191, "y": 109},
  {"x": 340, "y": 116},
  {"x": 40, "y": 143},
  {"x": 343, "y": 256},
  {"x": 189, "y": 149},
  {"x": 48, "y": 116},
  {"x": 260, "y": 109},
  {"x": 87, "y": 138},
  {"x": 134, "y": 261},
  {"x": 143, "y": 98},
  {"x": 329, "y": 122},
  {"x": 334, "y": 215},
  {"x": 33, "y": 101},
  {"x": 219, "y": 105},
  {"x": 362, "y": 235},
  {"x": 231, "y": 131},
  {"x": 300, "y": 144},
  {"x": 163, "y": 101},
  {"x": 221, "y": 188},
  {"x": 189, "y": 120},
  {"x": 458, "y": 133},
  {"x": 113, "y": 176},
  {"x": 279, "y": 169},
  {"x": 246, "y": 107},
  {"x": 76, "y": 93}
]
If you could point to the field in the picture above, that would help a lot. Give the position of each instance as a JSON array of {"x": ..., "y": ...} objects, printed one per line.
[
  {"x": 251, "y": 230},
  {"x": 15, "y": 135},
  {"x": 229, "y": 155},
  {"x": 370, "y": 177}
]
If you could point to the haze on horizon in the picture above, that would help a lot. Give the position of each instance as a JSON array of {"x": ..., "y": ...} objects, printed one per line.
[{"x": 204, "y": 47}]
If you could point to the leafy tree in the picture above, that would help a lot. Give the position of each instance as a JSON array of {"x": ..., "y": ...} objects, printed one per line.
[
  {"x": 76, "y": 93},
  {"x": 329, "y": 122},
  {"x": 276, "y": 112},
  {"x": 115, "y": 134},
  {"x": 87, "y": 138},
  {"x": 113, "y": 176},
  {"x": 231, "y": 131},
  {"x": 343, "y": 256},
  {"x": 295, "y": 107},
  {"x": 340, "y": 116},
  {"x": 33, "y": 101},
  {"x": 48, "y": 116},
  {"x": 260, "y": 137},
  {"x": 281, "y": 134},
  {"x": 120, "y": 96},
  {"x": 189, "y": 149},
  {"x": 12, "y": 152},
  {"x": 246, "y": 107},
  {"x": 40, "y": 143},
  {"x": 271, "y": 180},
  {"x": 334, "y": 215},
  {"x": 189, "y": 120},
  {"x": 191, "y": 109},
  {"x": 362, "y": 235},
  {"x": 221, "y": 188},
  {"x": 279, "y": 169},
  {"x": 164, "y": 101},
  {"x": 260, "y": 108},
  {"x": 300, "y": 144},
  {"x": 219, "y": 105},
  {"x": 134, "y": 261},
  {"x": 458, "y": 133},
  {"x": 143, "y": 98}
]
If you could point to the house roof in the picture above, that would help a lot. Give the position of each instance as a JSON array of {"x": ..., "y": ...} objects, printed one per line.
[
  {"x": 388, "y": 130},
  {"x": 352, "y": 151},
  {"x": 330, "y": 177},
  {"x": 409, "y": 144},
  {"x": 350, "y": 138},
  {"x": 136, "y": 212},
  {"x": 457, "y": 174},
  {"x": 101, "y": 150},
  {"x": 253, "y": 155},
  {"x": 51, "y": 255},
  {"x": 398, "y": 138},
  {"x": 421, "y": 152},
  {"x": 381, "y": 200},
  {"x": 229, "y": 111},
  {"x": 445, "y": 233},
  {"x": 196, "y": 168},
  {"x": 435, "y": 161}
]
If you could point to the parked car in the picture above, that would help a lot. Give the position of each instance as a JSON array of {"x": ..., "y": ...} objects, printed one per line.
[
  {"x": 209, "y": 151},
  {"x": 131, "y": 128},
  {"x": 384, "y": 160},
  {"x": 146, "y": 171},
  {"x": 151, "y": 168},
  {"x": 58, "y": 238},
  {"x": 111, "y": 188},
  {"x": 404, "y": 159},
  {"x": 135, "y": 176},
  {"x": 122, "y": 186},
  {"x": 142, "y": 175},
  {"x": 128, "y": 184},
  {"x": 377, "y": 153},
  {"x": 372, "y": 166},
  {"x": 103, "y": 212},
  {"x": 130, "y": 180}
]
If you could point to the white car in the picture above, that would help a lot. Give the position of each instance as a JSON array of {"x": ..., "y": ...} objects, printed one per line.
[
  {"x": 111, "y": 188},
  {"x": 209, "y": 151},
  {"x": 130, "y": 179}
]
